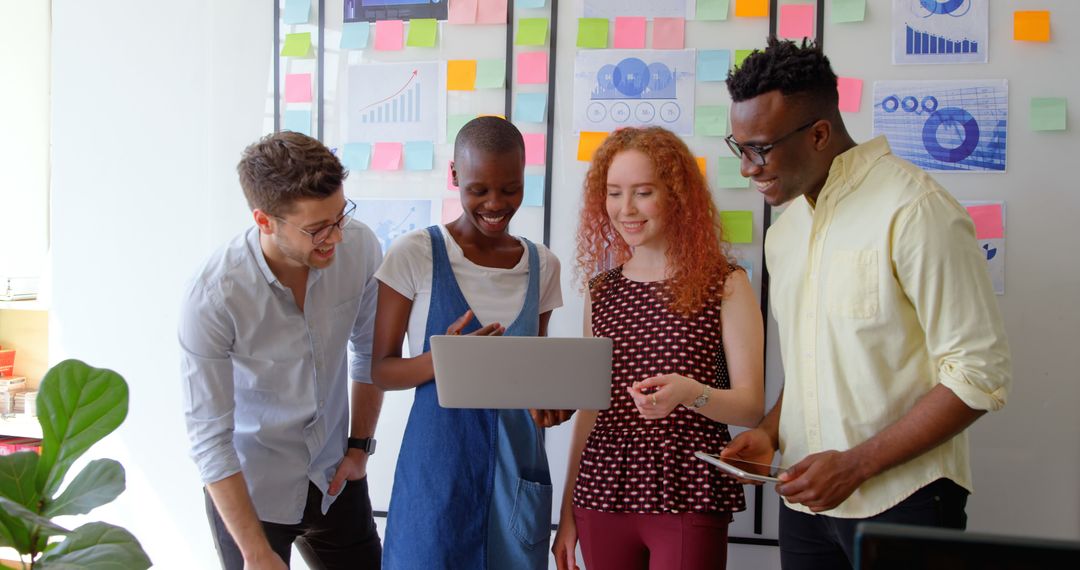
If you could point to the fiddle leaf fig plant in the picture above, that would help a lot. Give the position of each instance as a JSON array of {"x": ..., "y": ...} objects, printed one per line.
[{"x": 78, "y": 405}]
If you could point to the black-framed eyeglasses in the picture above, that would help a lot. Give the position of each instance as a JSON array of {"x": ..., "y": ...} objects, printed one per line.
[
  {"x": 757, "y": 153},
  {"x": 319, "y": 236}
]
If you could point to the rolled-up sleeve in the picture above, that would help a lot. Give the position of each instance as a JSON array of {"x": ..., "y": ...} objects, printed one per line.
[{"x": 363, "y": 330}]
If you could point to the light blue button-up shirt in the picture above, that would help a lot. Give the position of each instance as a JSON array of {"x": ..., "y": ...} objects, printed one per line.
[{"x": 265, "y": 388}]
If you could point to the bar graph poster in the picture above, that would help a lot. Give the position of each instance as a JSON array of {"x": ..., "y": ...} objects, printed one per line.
[
  {"x": 940, "y": 31},
  {"x": 393, "y": 102},
  {"x": 626, "y": 88},
  {"x": 989, "y": 218},
  {"x": 945, "y": 125},
  {"x": 648, "y": 8},
  {"x": 391, "y": 219}
]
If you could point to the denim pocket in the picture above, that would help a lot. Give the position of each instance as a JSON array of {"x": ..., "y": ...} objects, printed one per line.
[{"x": 530, "y": 520}]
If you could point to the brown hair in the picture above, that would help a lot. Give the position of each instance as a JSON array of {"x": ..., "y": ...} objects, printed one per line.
[{"x": 281, "y": 168}]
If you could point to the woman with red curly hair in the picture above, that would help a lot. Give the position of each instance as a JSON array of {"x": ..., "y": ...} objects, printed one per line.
[{"x": 687, "y": 361}]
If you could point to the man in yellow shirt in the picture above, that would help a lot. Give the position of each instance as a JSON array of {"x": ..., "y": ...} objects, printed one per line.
[{"x": 891, "y": 338}]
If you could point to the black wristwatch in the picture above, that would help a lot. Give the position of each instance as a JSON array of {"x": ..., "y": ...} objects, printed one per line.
[{"x": 365, "y": 443}]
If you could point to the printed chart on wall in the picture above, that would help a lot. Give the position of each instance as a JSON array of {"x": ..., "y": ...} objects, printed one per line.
[
  {"x": 648, "y": 8},
  {"x": 940, "y": 31},
  {"x": 371, "y": 10},
  {"x": 945, "y": 125},
  {"x": 391, "y": 219},
  {"x": 989, "y": 218},
  {"x": 626, "y": 88},
  {"x": 393, "y": 102}
]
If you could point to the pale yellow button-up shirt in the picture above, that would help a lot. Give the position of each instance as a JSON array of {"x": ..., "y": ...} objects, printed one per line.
[{"x": 881, "y": 292}]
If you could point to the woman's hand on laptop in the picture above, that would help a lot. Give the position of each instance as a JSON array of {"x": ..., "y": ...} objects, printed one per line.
[
  {"x": 550, "y": 418},
  {"x": 455, "y": 328}
]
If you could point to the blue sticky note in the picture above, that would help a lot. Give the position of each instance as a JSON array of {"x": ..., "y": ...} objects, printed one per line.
[
  {"x": 354, "y": 35},
  {"x": 530, "y": 107},
  {"x": 419, "y": 155},
  {"x": 534, "y": 190},
  {"x": 530, "y": 3},
  {"x": 298, "y": 121},
  {"x": 713, "y": 64},
  {"x": 357, "y": 156},
  {"x": 297, "y": 12}
]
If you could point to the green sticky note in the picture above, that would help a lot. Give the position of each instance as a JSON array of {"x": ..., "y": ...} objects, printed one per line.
[
  {"x": 592, "y": 33},
  {"x": 454, "y": 124},
  {"x": 531, "y": 32},
  {"x": 728, "y": 173},
  {"x": 1048, "y": 113},
  {"x": 848, "y": 11},
  {"x": 740, "y": 55},
  {"x": 738, "y": 225},
  {"x": 490, "y": 73},
  {"x": 296, "y": 45},
  {"x": 711, "y": 121},
  {"x": 712, "y": 9},
  {"x": 422, "y": 32}
]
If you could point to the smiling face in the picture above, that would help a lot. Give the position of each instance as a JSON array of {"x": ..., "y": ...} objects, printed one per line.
[
  {"x": 294, "y": 247},
  {"x": 492, "y": 187},
  {"x": 633, "y": 200}
]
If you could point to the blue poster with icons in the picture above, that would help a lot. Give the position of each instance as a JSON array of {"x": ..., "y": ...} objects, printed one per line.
[{"x": 945, "y": 125}]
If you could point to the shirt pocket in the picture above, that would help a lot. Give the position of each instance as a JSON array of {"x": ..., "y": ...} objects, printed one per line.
[{"x": 852, "y": 287}]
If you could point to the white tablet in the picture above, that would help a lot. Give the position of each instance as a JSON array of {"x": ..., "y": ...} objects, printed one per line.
[
  {"x": 739, "y": 468},
  {"x": 518, "y": 372}
]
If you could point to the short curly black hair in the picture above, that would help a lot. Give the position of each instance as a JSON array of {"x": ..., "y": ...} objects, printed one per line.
[{"x": 800, "y": 71}]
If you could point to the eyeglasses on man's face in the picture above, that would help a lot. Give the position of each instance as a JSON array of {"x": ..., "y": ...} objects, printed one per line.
[
  {"x": 319, "y": 236},
  {"x": 756, "y": 153}
]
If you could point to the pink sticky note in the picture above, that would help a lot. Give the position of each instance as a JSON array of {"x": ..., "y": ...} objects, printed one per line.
[
  {"x": 797, "y": 21},
  {"x": 668, "y": 33},
  {"x": 988, "y": 222},
  {"x": 491, "y": 12},
  {"x": 387, "y": 156},
  {"x": 532, "y": 67},
  {"x": 850, "y": 89},
  {"x": 450, "y": 178},
  {"x": 389, "y": 35},
  {"x": 535, "y": 148},
  {"x": 451, "y": 209},
  {"x": 298, "y": 88},
  {"x": 461, "y": 12},
  {"x": 629, "y": 32}
]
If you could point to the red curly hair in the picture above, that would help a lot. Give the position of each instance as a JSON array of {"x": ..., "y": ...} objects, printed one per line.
[{"x": 696, "y": 256}]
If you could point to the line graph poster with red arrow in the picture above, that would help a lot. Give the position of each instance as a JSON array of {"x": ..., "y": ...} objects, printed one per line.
[{"x": 393, "y": 102}]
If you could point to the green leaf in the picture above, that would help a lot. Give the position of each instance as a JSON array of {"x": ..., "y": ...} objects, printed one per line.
[
  {"x": 96, "y": 546},
  {"x": 100, "y": 482},
  {"x": 30, "y": 517},
  {"x": 17, "y": 484},
  {"x": 77, "y": 406}
]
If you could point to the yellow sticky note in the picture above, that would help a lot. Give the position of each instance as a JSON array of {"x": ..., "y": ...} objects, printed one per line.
[
  {"x": 740, "y": 55},
  {"x": 296, "y": 45},
  {"x": 738, "y": 225},
  {"x": 1031, "y": 26},
  {"x": 701, "y": 165},
  {"x": 588, "y": 142},
  {"x": 461, "y": 75},
  {"x": 751, "y": 8}
]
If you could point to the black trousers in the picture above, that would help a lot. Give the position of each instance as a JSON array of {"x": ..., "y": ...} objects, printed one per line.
[
  {"x": 345, "y": 537},
  {"x": 827, "y": 543}
]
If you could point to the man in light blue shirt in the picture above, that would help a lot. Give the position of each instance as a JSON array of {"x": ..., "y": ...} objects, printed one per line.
[{"x": 271, "y": 328}]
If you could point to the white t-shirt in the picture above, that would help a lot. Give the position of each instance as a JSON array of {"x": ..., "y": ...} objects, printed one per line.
[{"x": 494, "y": 294}]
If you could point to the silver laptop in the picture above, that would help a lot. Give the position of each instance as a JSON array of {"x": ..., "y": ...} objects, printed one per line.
[{"x": 522, "y": 372}]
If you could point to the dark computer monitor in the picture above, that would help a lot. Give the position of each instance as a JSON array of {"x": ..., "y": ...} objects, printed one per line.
[{"x": 880, "y": 546}]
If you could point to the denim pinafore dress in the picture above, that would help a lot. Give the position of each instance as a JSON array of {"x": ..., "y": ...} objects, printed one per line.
[{"x": 472, "y": 488}]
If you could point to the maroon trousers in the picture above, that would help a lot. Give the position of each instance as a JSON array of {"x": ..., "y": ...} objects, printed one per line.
[{"x": 631, "y": 541}]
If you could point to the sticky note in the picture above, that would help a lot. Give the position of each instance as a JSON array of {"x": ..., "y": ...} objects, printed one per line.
[
  {"x": 530, "y": 107},
  {"x": 712, "y": 9},
  {"x": 713, "y": 64},
  {"x": 535, "y": 148},
  {"x": 1031, "y": 26},
  {"x": 419, "y": 155},
  {"x": 711, "y": 120},
  {"x": 534, "y": 190},
  {"x": 357, "y": 156},
  {"x": 592, "y": 33},
  {"x": 588, "y": 142},
  {"x": 461, "y": 75},
  {"x": 454, "y": 124},
  {"x": 668, "y": 33},
  {"x": 461, "y": 11},
  {"x": 491, "y": 12},
  {"x": 354, "y": 35},
  {"x": 629, "y": 32},
  {"x": 751, "y": 8},
  {"x": 850, "y": 90},
  {"x": 701, "y": 165},
  {"x": 844, "y": 11},
  {"x": 422, "y": 32},
  {"x": 532, "y": 67},
  {"x": 389, "y": 35},
  {"x": 298, "y": 88},
  {"x": 490, "y": 73},
  {"x": 1048, "y": 113},
  {"x": 738, "y": 225},
  {"x": 728, "y": 176},
  {"x": 296, "y": 12},
  {"x": 297, "y": 45},
  {"x": 797, "y": 21},
  {"x": 741, "y": 54},
  {"x": 450, "y": 178},
  {"x": 988, "y": 221},
  {"x": 387, "y": 156},
  {"x": 531, "y": 32},
  {"x": 451, "y": 209},
  {"x": 530, "y": 3},
  {"x": 298, "y": 121}
]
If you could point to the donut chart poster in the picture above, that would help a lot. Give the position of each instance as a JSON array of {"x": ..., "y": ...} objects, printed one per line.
[
  {"x": 953, "y": 126},
  {"x": 634, "y": 88}
]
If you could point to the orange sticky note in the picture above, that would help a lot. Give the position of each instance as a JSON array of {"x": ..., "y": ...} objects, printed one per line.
[
  {"x": 535, "y": 148},
  {"x": 988, "y": 222},
  {"x": 701, "y": 165},
  {"x": 1031, "y": 25},
  {"x": 797, "y": 21},
  {"x": 850, "y": 90},
  {"x": 461, "y": 12},
  {"x": 389, "y": 35},
  {"x": 532, "y": 67},
  {"x": 461, "y": 75},
  {"x": 751, "y": 8},
  {"x": 451, "y": 209},
  {"x": 588, "y": 142}
]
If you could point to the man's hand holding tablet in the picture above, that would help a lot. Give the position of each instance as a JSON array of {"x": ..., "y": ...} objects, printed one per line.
[{"x": 744, "y": 471}]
